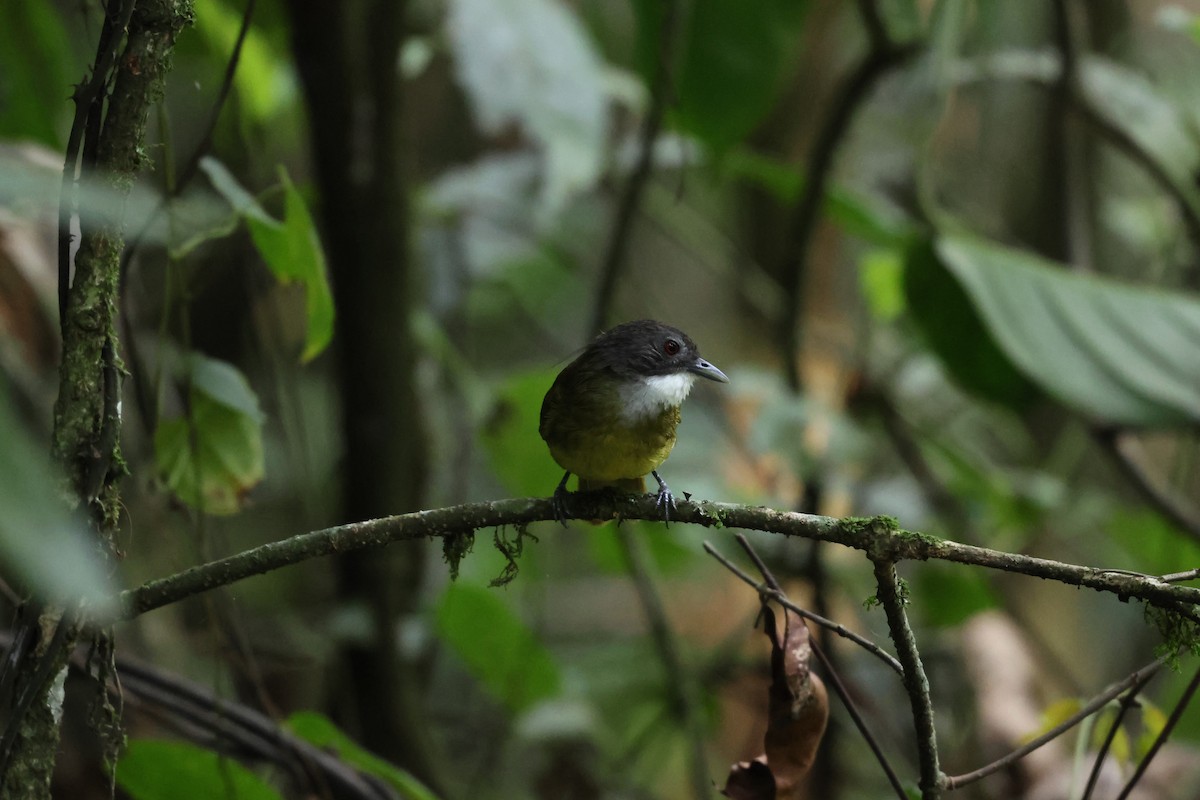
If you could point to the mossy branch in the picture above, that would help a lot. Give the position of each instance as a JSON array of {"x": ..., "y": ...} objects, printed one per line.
[{"x": 878, "y": 536}]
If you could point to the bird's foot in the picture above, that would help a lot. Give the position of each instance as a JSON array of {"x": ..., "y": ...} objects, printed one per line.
[
  {"x": 559, "y": 501},
  {"x": 666, "y": 501}
]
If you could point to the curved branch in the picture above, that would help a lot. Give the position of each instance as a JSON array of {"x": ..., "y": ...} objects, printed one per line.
[
  {"x": 876, "y": 535},
  {"x": 882, "y": 57}
]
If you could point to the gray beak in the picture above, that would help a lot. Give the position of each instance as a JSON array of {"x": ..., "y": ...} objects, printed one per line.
[{"x": 707, "y": 370}]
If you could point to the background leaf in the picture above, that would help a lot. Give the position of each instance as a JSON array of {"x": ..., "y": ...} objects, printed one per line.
[
  {"x": 317, "y": 729},
  {"x": 943, "y": 313},
  {"x": 1119, "y": 354},
  {"x": 159, "y": 770},
  {"x": 211, "y": 457},
  {"x": 498, "y": 648},
  {"x": 510, "y": 435},
  {"x": 731, "y": 63},
  {"x": 292, "y": 251},
  {"x": 530, "y": 63},
  {"x": 41, "y": 542}
]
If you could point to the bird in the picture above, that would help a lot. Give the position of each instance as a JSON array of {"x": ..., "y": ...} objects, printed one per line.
[{"x": 610, "y": 416}]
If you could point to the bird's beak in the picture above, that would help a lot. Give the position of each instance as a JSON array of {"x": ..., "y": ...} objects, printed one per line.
[{"x": 707, "y": 370}]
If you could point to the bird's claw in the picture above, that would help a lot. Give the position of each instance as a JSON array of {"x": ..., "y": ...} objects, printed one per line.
[
  {"x": 665, "y": 503},
  {"x": 559, "y": 501}
]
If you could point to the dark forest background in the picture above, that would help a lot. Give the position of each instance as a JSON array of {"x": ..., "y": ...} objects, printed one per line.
[{"x": 947, "y": 252}]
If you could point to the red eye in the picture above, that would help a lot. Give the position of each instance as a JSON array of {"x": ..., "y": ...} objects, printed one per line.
[{"x": 670, "y": 347}]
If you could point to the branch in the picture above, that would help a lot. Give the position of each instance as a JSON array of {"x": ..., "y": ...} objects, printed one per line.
[
  {"x": 1163, "y": 735},
  {"x": 774, "y": 593},
  {"x": 831, "y": 673},
  {"x": 1136, "y": 679},
  {"x": 893, "y": 599},
  {"x": 878, "y": 534},
  {"x": 883, "y": 56},
  {"x": 1128, "y": 701}
]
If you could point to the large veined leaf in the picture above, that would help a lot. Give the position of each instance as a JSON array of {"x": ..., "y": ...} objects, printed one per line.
[
  {"x": 1117, "y": 353},
  {"x": 954, "y": 331}
]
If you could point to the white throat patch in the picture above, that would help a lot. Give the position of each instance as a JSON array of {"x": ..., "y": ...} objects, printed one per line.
[{"x": 649, "y": 396}]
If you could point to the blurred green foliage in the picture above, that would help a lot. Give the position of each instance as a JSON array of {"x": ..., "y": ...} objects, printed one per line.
[{"x": 1005, "y": 255}]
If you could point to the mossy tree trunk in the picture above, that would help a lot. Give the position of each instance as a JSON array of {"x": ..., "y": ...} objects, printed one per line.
[{"x": 86, "y": 439}]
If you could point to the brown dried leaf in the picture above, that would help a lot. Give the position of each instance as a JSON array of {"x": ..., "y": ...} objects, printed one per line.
[{"x": 798, "y": 709}]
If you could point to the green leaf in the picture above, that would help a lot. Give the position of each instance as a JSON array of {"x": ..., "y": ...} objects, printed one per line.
[
  {"x": 263, "y": 81},
  {"x": 1119, "y": 354},
  {"x": 1153, "y": 722},
  {"x": 223, "y": 383},
  {"x": 317, "y": 729},
  {"x": 497, "y": 647},
  {"x": 1054, "y": 715},
  {"x": 669, "y": 553},
  {"x": 510, "y": 437},
  {"x": 857, "y": 214},
  {"x": 160, "y": 770},
  {"x": 943, "y": 313},
  {"x": 41, "y": 542},
  {"x": 293, "y": 252},
  {"x": 35, "y": 84},
  {"x": 290, "y": 249},
  {"x": 245, "y": 204},
  {"x": 212, "y": 456},
  {"x": 949, "y": 596},
  {"x": 732, "y": 61},
  {"x": 881, "y": 277}
]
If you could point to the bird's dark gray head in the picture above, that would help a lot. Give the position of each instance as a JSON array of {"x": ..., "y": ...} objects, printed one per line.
[{"x": 647, "y": 348}]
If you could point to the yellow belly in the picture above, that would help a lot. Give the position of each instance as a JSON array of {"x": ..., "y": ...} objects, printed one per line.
[{"x": 617, "y": 452}]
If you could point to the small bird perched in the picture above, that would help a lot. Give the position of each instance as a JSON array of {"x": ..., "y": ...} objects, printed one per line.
[{"x": 610, "y": 416}]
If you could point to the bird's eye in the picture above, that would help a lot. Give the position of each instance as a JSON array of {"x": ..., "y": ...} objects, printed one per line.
[{"x": 670, "y": 347}]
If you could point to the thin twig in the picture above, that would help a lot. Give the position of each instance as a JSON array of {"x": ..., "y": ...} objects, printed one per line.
[
  {"x": 778, "y": 596},
  {"x": 1097, "y": 703},
  {"x": 619, "y": 235},
  {"x": 1127, "y": 701},
  {"x": 891, "y": 597},
  {"x": 831, "y": 674},
  {"x": 680, "y": 683},
  {"x": 1163, "y": 735}
]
